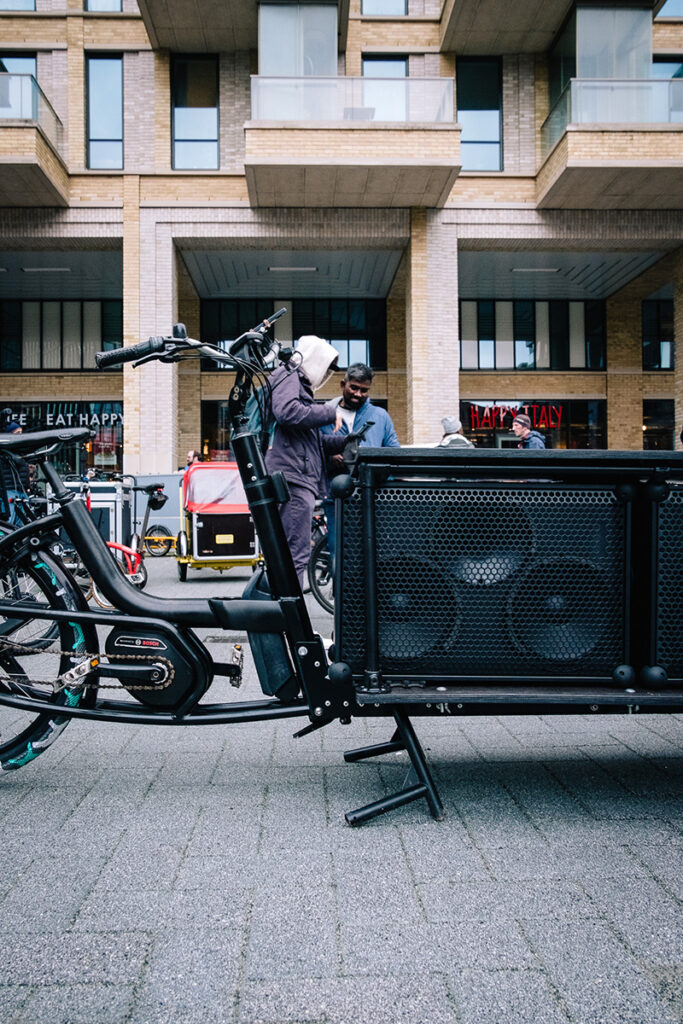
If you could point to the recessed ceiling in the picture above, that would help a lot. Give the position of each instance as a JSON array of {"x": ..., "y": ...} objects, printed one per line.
[
  {"x": 362, "y": 273},
  {"x": 548, "y": 275},
  {"x": 42, "y": 274}
]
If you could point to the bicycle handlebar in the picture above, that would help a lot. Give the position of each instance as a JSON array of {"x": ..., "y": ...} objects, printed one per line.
[{"x": 130, "y": 353}]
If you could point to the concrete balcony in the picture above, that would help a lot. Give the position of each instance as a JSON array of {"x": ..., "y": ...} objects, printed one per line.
[
  {"x": 351, "y": 142},
  {"x": 484, "y": 27},
  {"x": 32, "y": 167},
  {"x": 211, "y": 26},
  {"x": 610, "y": 144}
]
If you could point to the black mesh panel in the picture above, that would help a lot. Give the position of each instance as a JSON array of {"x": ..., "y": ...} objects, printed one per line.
[{"x": 486, "y": 581}]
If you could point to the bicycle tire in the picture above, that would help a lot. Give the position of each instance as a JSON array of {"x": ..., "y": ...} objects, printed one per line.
[
  {"x": 320, "y": 574},
  {"x": 158, "y": 541},
  {"x": 26, "y": 734},
  {"x": 15, "y": 586}
]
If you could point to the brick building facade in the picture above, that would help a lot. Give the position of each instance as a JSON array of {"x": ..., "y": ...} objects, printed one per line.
[{"x": 487, "y": 234}]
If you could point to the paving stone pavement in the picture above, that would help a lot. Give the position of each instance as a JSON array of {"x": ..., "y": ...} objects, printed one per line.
[{"x": 207, "y": 875}]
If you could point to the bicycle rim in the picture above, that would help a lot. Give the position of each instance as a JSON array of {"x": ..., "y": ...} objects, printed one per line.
[
  {"x": 320, "y": 574},
  {"x": 28, "y": 667},
  {"x": 158, "y": 541}
]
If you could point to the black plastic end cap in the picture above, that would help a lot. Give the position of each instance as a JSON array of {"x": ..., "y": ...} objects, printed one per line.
[
  {"x": 342, "y": 486},
  {"x": 339, "y": 672}
]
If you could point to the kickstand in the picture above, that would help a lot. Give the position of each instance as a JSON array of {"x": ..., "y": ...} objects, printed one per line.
[{"x": 404, "y": 738}]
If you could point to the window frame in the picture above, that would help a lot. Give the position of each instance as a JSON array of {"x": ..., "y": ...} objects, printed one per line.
[
  {"x": 95, "y": 56},
  {"x": 471, "y": 61},
  {"x": 17, "y": 341},
  {"x": 670, "y": 339},
  {"x": 204, "y": 58},
  {"x": 559, "y": 355}
]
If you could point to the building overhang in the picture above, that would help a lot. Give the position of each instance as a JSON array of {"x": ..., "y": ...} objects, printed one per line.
[
  {"x": 606, "y": 168},
  {"x": 31, "y": 173},
  {"x": 355, "y": 165},
  {"x": 476, "y": 26},
  {"x": 211, "y": 26}
]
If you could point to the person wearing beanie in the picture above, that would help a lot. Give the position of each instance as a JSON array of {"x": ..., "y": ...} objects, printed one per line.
[
  {"x": 453, "y": 436},
  {"x": 299, "y": 450},
  {"x": 528, "y": 438}
]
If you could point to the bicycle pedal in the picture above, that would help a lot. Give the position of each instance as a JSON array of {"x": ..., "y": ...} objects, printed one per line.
[{"x": 233, "y": 668}]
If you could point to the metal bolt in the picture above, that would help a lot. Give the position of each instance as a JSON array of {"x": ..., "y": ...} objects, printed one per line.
[
  {"x": 458, "y": 705},
  {"x": 328, "y": 703},
  {"x": 317, "y": 664},
  {"x": 345, "y": 703},
  {"x": 595, "y": 707},
  {"x": 318, "y": 712},
  {"x": 302, "y": 652}
]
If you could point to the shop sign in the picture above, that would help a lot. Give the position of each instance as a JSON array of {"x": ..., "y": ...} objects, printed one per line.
[
  {"x": 62, "y": 418},
  {"x": 493, "y": 416}
]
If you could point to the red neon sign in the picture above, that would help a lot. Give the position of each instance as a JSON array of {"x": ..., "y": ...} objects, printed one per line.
[{"x": 542, "y": 416}]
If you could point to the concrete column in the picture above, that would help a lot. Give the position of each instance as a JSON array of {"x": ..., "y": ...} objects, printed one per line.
[
  {"x": 433, "y": 352},
  {"x": 189, "y": 371},
  {"x": 624, "y": 370}
]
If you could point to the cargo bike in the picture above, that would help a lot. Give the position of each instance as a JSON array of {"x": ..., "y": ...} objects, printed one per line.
[
  {"x": 468, "y": 583},
  {"x": 217, "y": 527}
]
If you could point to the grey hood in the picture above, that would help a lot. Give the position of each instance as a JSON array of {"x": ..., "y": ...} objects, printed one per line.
[{"x": 317, "y": 357}]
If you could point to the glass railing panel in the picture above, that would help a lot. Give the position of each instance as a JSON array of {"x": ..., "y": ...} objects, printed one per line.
[
  {"x": 352, "y": 99},
  {"x": 613, "y": 102},
  {"x": 21, "y": 98}
]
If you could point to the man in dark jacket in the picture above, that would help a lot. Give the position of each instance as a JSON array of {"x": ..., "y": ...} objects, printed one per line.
[
  {"x": 299, "y": 450},
  {"x": 528, "y": 438}
]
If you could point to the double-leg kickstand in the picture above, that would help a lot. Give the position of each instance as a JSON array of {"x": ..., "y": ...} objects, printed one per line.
[{"x": 404, "y": 738}]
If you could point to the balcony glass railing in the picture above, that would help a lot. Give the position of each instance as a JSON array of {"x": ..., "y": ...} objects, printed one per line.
[
  {"x": 614, "y": 102},
  {"x": 22, "y": 99},
  {"x": 351, "y": 99}
]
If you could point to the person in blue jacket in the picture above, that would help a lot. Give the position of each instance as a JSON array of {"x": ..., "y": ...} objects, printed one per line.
[{"x": 356, "y": 409}]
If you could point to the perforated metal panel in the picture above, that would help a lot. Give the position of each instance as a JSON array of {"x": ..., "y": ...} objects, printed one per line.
[
  {"x": 669, "y": 639},
  {"x": 482, "y": 581}
]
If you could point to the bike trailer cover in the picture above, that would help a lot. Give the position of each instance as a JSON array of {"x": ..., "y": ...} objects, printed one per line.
[{"x": 214, "y": 488}]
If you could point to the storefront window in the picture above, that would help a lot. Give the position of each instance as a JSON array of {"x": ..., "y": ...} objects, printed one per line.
[
  {"x": 58, "y": 335},
  {"x": 104, "y": 452},
  {"x": 564, "y": 423},
  {"x": 658, "y": 334},
  {"x": 658, "y": 424},
  {"x": 528, "y": 335}
]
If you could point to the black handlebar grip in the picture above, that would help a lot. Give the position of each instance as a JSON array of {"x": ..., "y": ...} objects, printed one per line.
[{"x": 130, "y": 353}]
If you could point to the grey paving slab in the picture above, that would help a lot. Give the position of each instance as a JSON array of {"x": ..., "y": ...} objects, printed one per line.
[
  {"x": 367, "y": 1000},
  {"x": 502, "y": 996},
  {"x": 598, "y": 977},
  {"x": 78, "y": 1004},
  {"x": 207, "y": 875}
]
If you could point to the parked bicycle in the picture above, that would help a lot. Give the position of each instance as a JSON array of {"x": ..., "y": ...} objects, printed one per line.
[
  {"x": 319, "y": 571},
  {"x": 155, "y": 540}
]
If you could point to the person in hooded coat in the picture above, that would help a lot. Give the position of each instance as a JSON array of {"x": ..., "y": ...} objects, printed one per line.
[{"x": 299, "y": 450}]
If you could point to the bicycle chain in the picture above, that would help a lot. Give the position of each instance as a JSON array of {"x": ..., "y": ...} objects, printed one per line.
[{"x": 93, "y": 661}]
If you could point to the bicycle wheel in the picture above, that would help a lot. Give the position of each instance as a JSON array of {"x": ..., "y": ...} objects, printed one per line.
[
  {"x": 158, "y": 541},
  {"x": 29, "y": 672},
  {"x": 320, "y": 574}
]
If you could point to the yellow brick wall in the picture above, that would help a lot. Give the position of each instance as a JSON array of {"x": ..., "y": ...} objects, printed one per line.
[
  {"x": 75, "y": 130},
  {"x": 133, "y": 380},
  {"x": 189, "y": 378}
]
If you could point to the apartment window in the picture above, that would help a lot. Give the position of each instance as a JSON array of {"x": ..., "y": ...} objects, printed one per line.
[
  {"x": 387, "y": 99},
  {"x": 479, "y": 102},
  {"x": 17, "y": 5},
  {"x": 658, "y": 334},
  {"x": 18, "y": 97},
  {"x": 530, "y": 335},
  {"x": 667, "y": 67},
  {"x": 105, "y": 113},
  {"x": 658, "y": 424},
  {"x": 395, "y": 8},
  {"x": 102, "y": 5},
  {"x": 296, "y": 40},
  {"x": 194, "y": 98},
  {"x": 57, "y": 335}
]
